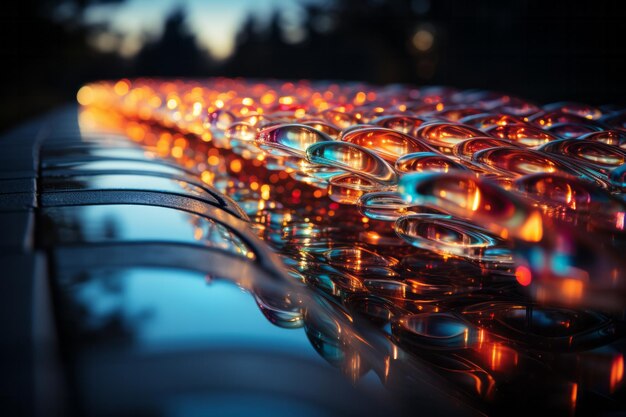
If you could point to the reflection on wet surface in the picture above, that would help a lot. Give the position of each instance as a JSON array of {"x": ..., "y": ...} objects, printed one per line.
[
  {"x": 414, "y": 279},
  {"x": 149, "y": 306},
  {"x": 135, "y": 223},
  {"x": 115, "y": 165},
  {"x": 126, "y": 182}
]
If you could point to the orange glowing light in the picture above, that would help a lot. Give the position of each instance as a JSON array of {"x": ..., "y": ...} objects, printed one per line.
[
  {"x": 532, "y": 230},
  {"x": 121, "y": 87},
  {"x": 235, "y": 165},
  {"x": 213, "y": 160},
  {"x": 85, "y": 96},
  {"x": 360, "y": 98},
  {"x": 572, "y": 288},
  {"x": 617, "y": 372},
  {"x": 265, "y": 192}
]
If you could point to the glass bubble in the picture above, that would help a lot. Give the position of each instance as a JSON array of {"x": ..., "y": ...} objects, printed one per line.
[
  {"x": 401, "y": 123},
  {"x": 572, "y": 130},
  {"x": 279, "y": 311},
  {"x": 517, "y": 107},
  {"x": 389, "y": 144},
  {"x": 446, "y": 135},
  {"x": 486, "y": 120},
  {"x": 349, "y": 188},
  {"x": 435, "y": 331},
  {"x": 339, "y": 118},
  {"x": 334, "y": 282},
  {"x": 357, "y": 259},
  {"x": 352, "y": 128},
  {"x": 594, "y": 153},
  {"x": 324, "y": 332},
  {"x": 579, "y": 109},
  {"x": 289, "y": 139},
  {"x": 467, "y": 148},
  {"x": 427, "y": 162},
  {"x": 388, "y": 288},
  {"x": 466, "y": 196},
  {"x": 449, "y": 236},
  {"x": 542, "y": 327},
  {"x": 323, "y": 126},
  {"x": 456, "y": 113},
  {"x": 378, "y": 310},
  {"x": 562, "y": 191},
  {"x": 525, "y": 135},
  {"x": 384, "y": 206},
  {"x": 554, "y": 117},
  {"x": 513, "y": 161},
  {"x": 353, "y": 158},
  {"x": 610, "y": 137}
]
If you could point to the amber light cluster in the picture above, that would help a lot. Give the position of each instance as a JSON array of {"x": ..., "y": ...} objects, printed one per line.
[{"x": 479, "y": 226}]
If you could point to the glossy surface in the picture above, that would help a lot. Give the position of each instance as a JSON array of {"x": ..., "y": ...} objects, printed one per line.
[{"x": 490, "y": 268}]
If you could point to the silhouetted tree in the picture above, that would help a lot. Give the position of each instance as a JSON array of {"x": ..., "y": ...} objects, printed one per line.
[
  {"x": 541, "y": 51},
  {"x": 345, "y": 40},
  {"x": 175, "y": 53}
]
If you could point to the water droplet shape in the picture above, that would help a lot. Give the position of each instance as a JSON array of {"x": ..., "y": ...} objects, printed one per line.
[
  {"x": 591, "y": 152},
  {"x": 579, "y": 109},
  {"x": 353, "y": 158},
  {"x": 289, "y": 139},
  {"x": 572, "y": 130},
  {"x": 525, "y": 135},
  {"x": 469, "y": 147},
  {"x": 514, "y": 162},
  {"x": 427, "y": 162},
  {"x": 610, "y": 137},
  {"x": 486, "y": 120},
  {"x": 403, "y": 124},
  {"x": 449, "y": 236},
  {"x": 554, "y": 117},
  {"x": 466, "y": 196},
  {"x": 435, "y": 331},
  {"x": 446, "y": 135},
  {"x": 357, "y": 259},
  {"x": 349, "y": 188},
  {"x": 384, "y": 206},
  {"x": 323, "y": 126},
  {"x": 563, "y": 191},
  {"x": 387, "y": 143}
]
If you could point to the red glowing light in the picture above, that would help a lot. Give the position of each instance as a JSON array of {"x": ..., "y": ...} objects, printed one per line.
[{"x": 523, "y": 275}]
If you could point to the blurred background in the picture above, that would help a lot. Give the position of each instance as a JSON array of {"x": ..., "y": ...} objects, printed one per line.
[{"x": 575, "y": 50}]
